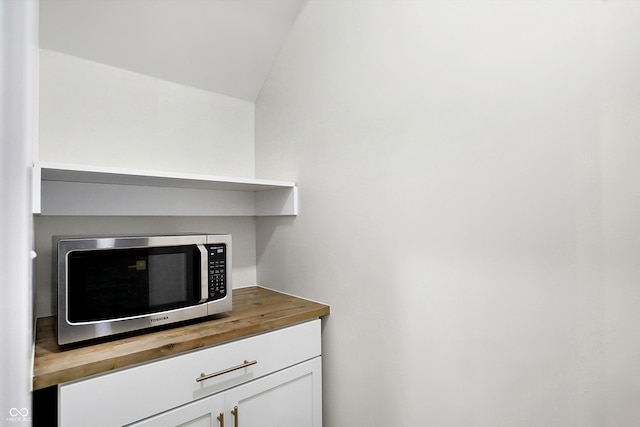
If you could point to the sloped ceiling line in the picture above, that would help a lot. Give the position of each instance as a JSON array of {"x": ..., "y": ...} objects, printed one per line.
[{"x": 223, "y": 46}]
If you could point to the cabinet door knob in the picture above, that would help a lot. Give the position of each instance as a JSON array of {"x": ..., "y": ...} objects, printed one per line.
[
  {"x": 234, "y": 412},
  {"x": 221, "y": 419},
  {"x": 246, "y": 363}
]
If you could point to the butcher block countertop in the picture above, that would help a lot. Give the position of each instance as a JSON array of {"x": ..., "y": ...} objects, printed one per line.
[{"x": 255, "y": 310}]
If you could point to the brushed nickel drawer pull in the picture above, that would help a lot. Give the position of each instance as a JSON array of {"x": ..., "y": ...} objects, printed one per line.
[{"x": 246, "y": 363}]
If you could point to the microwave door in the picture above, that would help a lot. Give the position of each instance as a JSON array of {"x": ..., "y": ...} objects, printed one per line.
[{"x": 123, "y": 283}]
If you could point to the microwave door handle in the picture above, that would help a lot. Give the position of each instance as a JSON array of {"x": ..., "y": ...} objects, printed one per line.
[{"x": 204, "y": 273}]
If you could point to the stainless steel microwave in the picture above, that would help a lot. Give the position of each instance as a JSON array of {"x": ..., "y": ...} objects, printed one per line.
[{"x": 108, "y": 285}]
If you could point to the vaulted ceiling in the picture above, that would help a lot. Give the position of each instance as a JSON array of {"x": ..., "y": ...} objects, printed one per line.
[{"x": 224, "y": 46}]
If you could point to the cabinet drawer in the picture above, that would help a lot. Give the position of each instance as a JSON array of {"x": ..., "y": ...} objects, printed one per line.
[{"x": 128, "y": 395}]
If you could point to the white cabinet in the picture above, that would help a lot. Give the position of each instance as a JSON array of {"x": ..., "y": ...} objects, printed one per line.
[
  {"x": 289, "y": 398},
  {"x": 207, "y": 412},
  {"x": 271, "y": 377}
]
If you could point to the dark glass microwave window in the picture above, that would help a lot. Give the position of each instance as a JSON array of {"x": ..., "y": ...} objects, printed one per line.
[{"x": 111, "y": 284}]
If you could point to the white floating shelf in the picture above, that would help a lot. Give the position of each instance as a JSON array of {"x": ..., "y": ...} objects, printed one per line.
[{"x": 65, "y": 189}]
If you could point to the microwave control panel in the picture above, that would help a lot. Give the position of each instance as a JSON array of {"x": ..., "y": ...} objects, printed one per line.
[{"x": 217, "y": 270}]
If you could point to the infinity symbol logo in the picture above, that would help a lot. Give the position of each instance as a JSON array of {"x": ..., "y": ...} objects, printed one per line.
[{"x": 14, "y": 412}]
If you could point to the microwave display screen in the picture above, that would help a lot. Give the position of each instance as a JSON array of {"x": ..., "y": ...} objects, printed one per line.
[{"x": 130, "y": 282}]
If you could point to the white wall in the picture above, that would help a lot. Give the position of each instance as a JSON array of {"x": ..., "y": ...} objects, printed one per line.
[
  {"x": 95, "y": 114},
  {"x": 92, "y": 113},
  {"x": 620, "y": 157},
  {"x": 468, "y": 207},
  {"x": 18, "y": 124}
]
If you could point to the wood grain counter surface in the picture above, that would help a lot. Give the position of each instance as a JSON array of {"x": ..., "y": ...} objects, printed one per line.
[{"x": 255, "y": 310}]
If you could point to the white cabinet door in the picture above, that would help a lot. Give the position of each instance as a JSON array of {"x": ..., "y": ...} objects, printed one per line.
[
  {"x": 207, "y": 412},
  {"x": 289, "y": 398}
]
